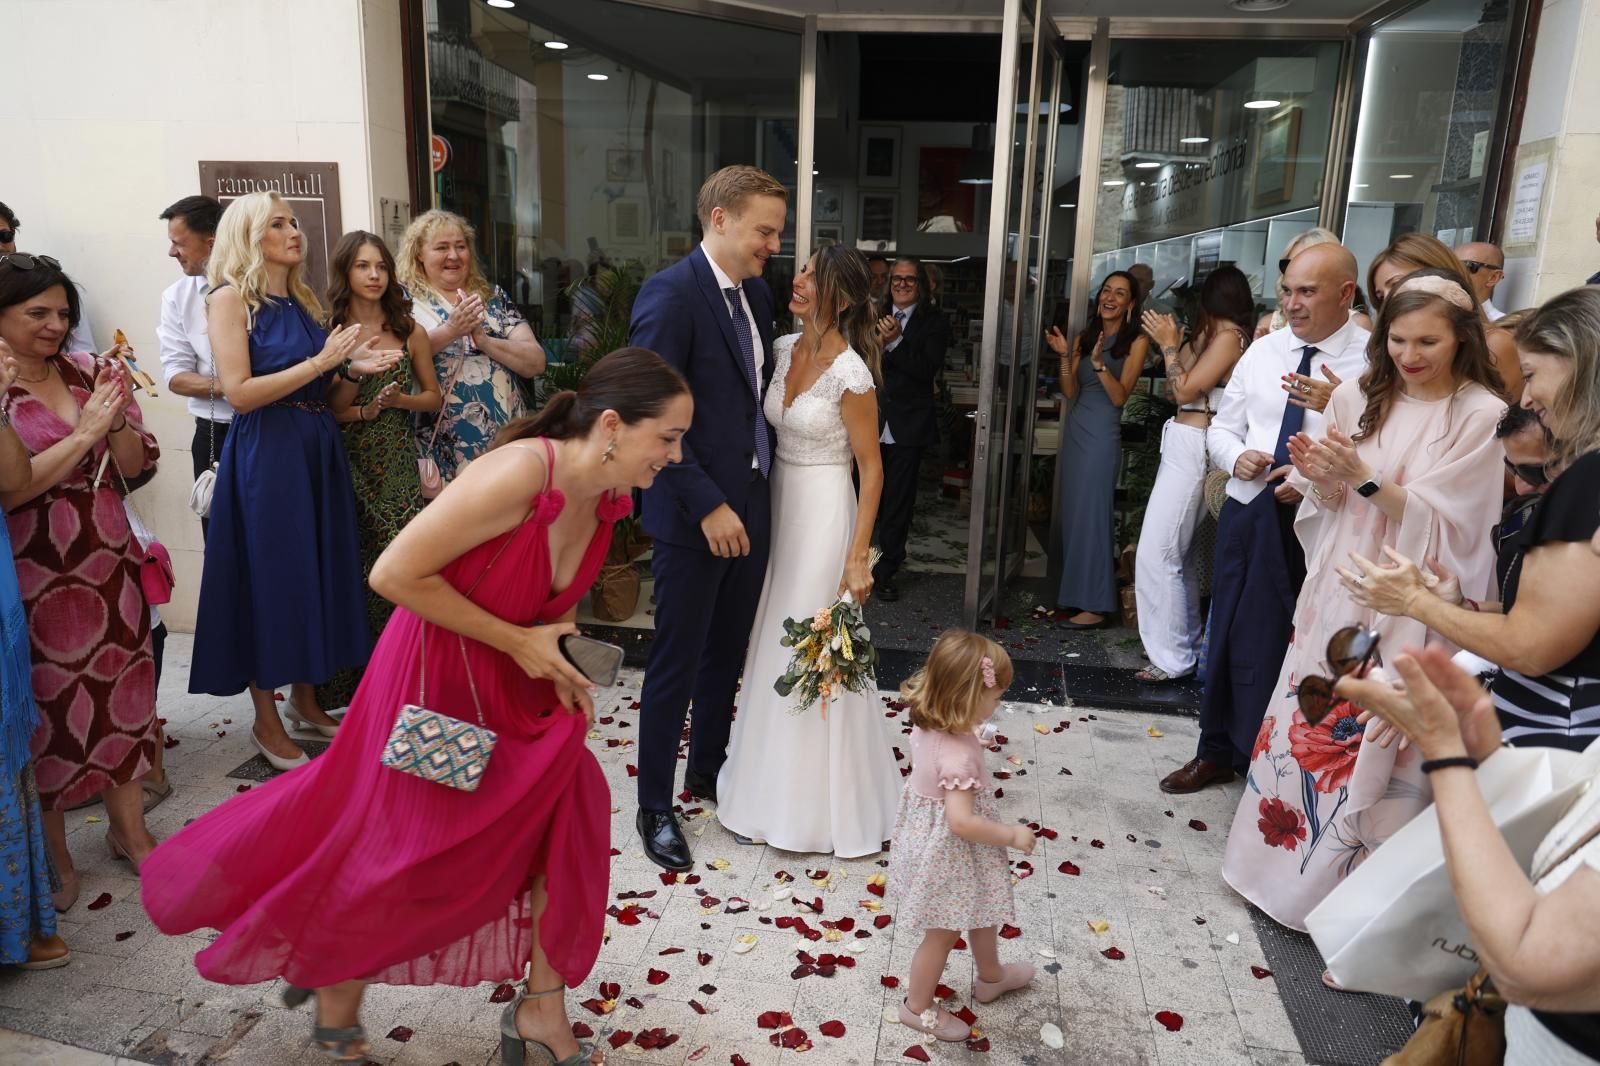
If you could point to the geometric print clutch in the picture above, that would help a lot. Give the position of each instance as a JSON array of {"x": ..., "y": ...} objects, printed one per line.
[{"x": 436, "y": 747}]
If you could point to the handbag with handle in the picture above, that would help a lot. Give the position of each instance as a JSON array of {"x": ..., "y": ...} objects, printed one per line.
[
  {"x": 1393, "y": 926},
  {"x": 205, "y": 484}
]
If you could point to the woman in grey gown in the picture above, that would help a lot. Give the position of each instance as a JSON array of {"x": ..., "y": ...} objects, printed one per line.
[{"x": 1098, "y": 371}]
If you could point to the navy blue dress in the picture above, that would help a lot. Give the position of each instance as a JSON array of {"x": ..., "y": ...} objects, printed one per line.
[{"x": 281, "y": 598}]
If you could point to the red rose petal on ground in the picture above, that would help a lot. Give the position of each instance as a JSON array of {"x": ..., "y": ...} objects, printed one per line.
[
  {"x": 737, "y": 1060},
  {"x": 966, "y": 1015},
  {"x": 657, "y": 977},
  {"x": 503, "y": 994},
  {"x": 242, "y": 788},
  {"x": 618, "y": 1038},
  {"x": 1170, "y": 1019},
  {"x": 123, "y": 936},
  {"x": 943, "y": 992},
  {"x": 581, "y": 1030},
  {"x": 981, "y": 1044},
  {"x": 696, "y": 1006},
  {"x": 1169, "y": 814},
  {"x": 916, "y": 1051},
  {"x": 671, "y": 951},
  {"x": 651, "y": 1039},
  {"x": 999, "y": 793},
  {"x": 1070, "y": 869},
  {"x": 793, "y": 1039},
  {"x": 400, "y": 1033},
  {"x": 1097, "y": 843},
  {"x": 633, "y": 771},
  {"x": 1049, "y": 834},
  {"x": 834, "y": 1029},
  {"x": 709, "y": 990},
  {"x": 772, "y": 1019},
  {"x": 1009, "y": 932},
  {"x": 961, "y": 944},
  {"x": 889, "y": 981},
  {"x": 170, "y": 743},
  {"x": 1260, "y": 973},
  {"x": 1199, "y": 920},
  {"x": 635, "y": 1002},
  {"x": 882, "y": 921},
  {"x": 1197, "y": 825},
  {"x": 844, "y": 925},
  {"x": 703, "y": 958},
  {"x": 1114, "y": 954},
  {"x": 875, "y": 889},
  {"x": 610, "y": 990},
  {"x": 102, "y": 901}
]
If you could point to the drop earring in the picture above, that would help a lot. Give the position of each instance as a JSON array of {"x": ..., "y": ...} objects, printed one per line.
[{"x": 610, "y": 452}]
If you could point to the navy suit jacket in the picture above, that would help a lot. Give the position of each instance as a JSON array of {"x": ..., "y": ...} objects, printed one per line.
[
  {"x": 681, "y": 315},
  {"x": 906, "y": 400}
]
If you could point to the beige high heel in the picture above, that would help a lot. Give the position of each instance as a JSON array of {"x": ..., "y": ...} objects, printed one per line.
[{"x": 304, "y": 724}]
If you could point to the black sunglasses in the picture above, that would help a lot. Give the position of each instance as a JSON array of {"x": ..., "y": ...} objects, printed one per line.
[
  {"x": 1350, "y": 651},
  {"x": 7, "y": 236},
  {"x": 24, "y": 261},
  {"x": 1532, "y": 473},
  {"x": 1473, "y": 266}
]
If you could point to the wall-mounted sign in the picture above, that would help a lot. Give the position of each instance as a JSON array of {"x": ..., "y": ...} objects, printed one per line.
[
  {"x": 396, "y": 216},
  {"x": 312, "y": 189},
  {"x": 438, "y": 152}
]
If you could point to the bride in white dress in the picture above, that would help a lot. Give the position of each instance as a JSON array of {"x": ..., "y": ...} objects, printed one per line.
[{"x": 799, "y": 781}]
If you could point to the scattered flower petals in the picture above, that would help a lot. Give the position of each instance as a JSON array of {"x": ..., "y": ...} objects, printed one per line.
[
  {"x": 102, "y": 901},
  {"x": 1232, "y": 938},
  {"x": 889, "y": 981},
  {"x": 916, "y": 1051},
  {"x": 1153, "y": 731},
  {"x": 1170, "y": 1019},
  {"x": 1070, "y": 869},
  {"x": 652, "y": 1039},
  {"x": 1041, "y": 729},
  {"x": 618, "y": 1038},
  {"x": 1260, "y": 973},
  {"x": 504, "y": 993},
  {"x": 580, "y": 1030},
  {"x": 671, "y": 951},
  {"x": 657, "y": 977},
  {"x": 1051, "y": 1036},
  {"x": 1099, "y": 925},
  {"x": 743, "y": 944},
  {"x": 703, "y": 958},
  {"x": 1047, "y": 953},
  {"x": 1115, "y": 954},
  {"x": 720, "y": 864},
  {"x": 400, "y": 1033},
  {"x": 834, "y": 1029},
  {"x": 1010, "y": 932},
  {"x": 1097, "y": 843},
  {"x": 124, "y": 936},
  {"x": 1197, "y": 825}
]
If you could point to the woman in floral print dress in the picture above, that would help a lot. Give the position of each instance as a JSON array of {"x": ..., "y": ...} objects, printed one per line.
[
  {"x": 1421, "y": 421},
  {"x": 78, "y": 567}
]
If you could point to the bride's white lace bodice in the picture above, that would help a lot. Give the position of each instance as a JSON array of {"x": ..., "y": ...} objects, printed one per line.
[{"x": 812, "y": 431}]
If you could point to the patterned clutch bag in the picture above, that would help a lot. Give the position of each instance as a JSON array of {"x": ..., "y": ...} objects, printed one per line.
[{"x": 436, "y": 747}]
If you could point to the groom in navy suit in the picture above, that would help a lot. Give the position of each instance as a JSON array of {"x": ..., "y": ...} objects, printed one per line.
[{"x": 710, "y": 316}]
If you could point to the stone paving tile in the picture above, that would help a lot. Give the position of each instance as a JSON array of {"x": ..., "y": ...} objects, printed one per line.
[{"x": 1169, "y": 911}]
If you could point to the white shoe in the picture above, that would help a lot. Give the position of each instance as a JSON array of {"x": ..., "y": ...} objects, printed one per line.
[
  {"x": 303, "y": 723},
  {"x": 278, "y": 762}
]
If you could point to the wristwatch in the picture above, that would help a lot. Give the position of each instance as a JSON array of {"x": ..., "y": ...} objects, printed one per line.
[{"x": 1370, "y": 486}]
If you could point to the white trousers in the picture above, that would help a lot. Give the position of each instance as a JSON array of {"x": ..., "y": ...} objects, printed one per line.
[{"x": 1168, "y": 591}]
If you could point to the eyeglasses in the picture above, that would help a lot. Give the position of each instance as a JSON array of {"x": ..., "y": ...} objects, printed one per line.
[
  {"x": 1532, "y": 473},
  {"x": 1473, "y": 266},
  {"x": 1350, "y": 651},
  {"x": 24, "y": 261},
  {"x": 906, "y": 282},
  {"x": 7, "y": 236}
]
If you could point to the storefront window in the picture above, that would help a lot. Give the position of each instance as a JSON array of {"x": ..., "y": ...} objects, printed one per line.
[
  {"x": 576, "y": 136},
  {"x": 1428, "y": 108},
  {"x": 1213, "y": 152}
]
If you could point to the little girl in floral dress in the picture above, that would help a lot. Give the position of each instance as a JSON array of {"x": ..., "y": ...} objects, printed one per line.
[{"x": 947, "y": 866}]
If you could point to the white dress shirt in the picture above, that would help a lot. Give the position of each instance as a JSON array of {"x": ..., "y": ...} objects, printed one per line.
[
  {"x": 904, "y": 314},
  {"x": 1493, "y": 313},
  {"x": 186, "y": 343},
  {"x": 1253, "y": 404},
  {"x": 725, "y": 283}
]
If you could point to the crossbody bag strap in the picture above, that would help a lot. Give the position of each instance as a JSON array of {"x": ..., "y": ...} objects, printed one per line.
[{"x": 1585, "y": 839}]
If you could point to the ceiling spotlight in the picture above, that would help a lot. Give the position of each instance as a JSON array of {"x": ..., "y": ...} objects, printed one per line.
[
  {"x": 1066, "y": 205},
  {"x": 599, "y": 77},
  {"x": 1401, "y": 177},
  {"x": 1193, "y": 140},
  {"x": 558, "y": 46},
  {"x": 500, "y": 3},
  {"x": 1146, "y": 165},
  {"x": 1261, "y": 105},
  {"x": 1360, "y": 185},
  {"x": 1114, "y": 182}
]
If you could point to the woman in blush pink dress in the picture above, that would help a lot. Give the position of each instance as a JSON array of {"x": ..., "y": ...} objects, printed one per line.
[
  {"x": 1419, "y": 425},
  {"x": 344, "y": 871}
]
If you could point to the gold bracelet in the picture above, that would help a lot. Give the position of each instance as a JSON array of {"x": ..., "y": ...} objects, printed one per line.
[{"x": 1329, "y": 498}]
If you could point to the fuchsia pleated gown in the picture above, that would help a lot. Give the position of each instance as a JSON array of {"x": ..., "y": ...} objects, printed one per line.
[{"x": 345, "y": 869}]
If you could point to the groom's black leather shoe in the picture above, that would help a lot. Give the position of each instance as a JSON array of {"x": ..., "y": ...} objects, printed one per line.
[
  {"x": 663, "y": 840},
  {"x": 701, "y": 786}
]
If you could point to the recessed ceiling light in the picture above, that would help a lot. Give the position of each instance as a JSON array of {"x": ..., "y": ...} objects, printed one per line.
[
  {"x": 1193, "y": 140},
  {"x": 599, "y": 77},
  {"x": 559, "y": 46},
  {"x": 1255, "y": 6},
  {"x": 1260, "y": 105},
  {"x": 1401, "y": 177},
  {"x": 1146, "y": 165},
  {"x": 1113, "y": 182},
  {"x": 1066, "y": 205},
  {"x": 1360, "y": 185},
  {"x": 500, "y": 3}
]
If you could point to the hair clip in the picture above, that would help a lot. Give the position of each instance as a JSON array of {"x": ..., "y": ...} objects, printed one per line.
[
  {"x": 1444, "y": 288},
  {"x": 987, "y": 664}
]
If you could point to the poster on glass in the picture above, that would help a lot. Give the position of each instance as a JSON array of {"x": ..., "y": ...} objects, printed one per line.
[{"x": 878, "y": 219}]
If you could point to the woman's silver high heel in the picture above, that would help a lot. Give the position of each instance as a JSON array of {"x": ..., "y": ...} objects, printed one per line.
[{"x": 514, "y": 1046}]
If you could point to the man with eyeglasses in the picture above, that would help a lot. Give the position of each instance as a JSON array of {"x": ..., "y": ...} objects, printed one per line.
[
  {"x": 81, "y": 339},
  {"x": 1487, "y": 265},
  {"x": 915, "y": 337}
]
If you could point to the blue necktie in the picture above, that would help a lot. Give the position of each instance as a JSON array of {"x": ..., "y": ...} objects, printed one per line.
[
  {"x": 747, "y": 349},
  {"x": 900, "y": 319},
  {"x": 1294, "y": 416}
]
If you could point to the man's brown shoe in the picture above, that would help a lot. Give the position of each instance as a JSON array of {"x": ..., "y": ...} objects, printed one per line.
[
  {"x": 1194, "y": 775},
  {"x": 46, "y": 953}
]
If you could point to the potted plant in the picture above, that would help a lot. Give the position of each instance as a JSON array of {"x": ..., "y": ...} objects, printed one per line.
[{"x": 602, "y": 306}]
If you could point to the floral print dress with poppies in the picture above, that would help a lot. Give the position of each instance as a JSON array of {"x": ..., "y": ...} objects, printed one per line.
[
  {"x": 1318, "y": 798},
  {"x": 78, "y": 570}
]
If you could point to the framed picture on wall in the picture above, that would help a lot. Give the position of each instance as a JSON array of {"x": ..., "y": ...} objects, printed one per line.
[
  {"x": 879, "y": 163},
  {"x": 827, "y": 205},
  {"x": 627, "y": 220},
  {"x": 879, "y": 221},
  {"x": 624, "y": 164},
  {"x": 822, "y": 236},
  {"x": 675, "y": 244},
  {"x": 1275, "y": 158}
]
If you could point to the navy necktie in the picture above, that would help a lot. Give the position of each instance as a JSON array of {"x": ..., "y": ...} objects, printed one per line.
[
  {"x": 1294, "y": 416},
  {"x": 747, "y": 349},
  {"x": 900, "y": 319}
]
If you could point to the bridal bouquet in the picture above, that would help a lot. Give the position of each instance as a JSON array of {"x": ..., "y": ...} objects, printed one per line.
[{"x": 832, "y": 651}]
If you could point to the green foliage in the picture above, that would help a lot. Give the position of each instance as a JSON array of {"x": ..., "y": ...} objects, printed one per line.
[
  {"x": 602, "y": 307},
  {"x": 1149, "y": 407},
  {"x": 827, "y": 658}
]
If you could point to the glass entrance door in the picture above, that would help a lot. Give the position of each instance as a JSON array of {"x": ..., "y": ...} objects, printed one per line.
[{"x": 1029, "y": 109}]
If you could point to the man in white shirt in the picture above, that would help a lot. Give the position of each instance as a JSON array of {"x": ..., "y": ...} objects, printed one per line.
[
  {"x": 1486, "y": 266},
  {"x": 1278, "y": 388},
  {"x": 185, "y": 344}
]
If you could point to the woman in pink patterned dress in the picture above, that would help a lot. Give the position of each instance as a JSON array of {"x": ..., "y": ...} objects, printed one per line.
[
  {"x": 78, "y": 566},
  {"x": 345, "y": 872},
  {"x": 1420, "y": 426}
]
